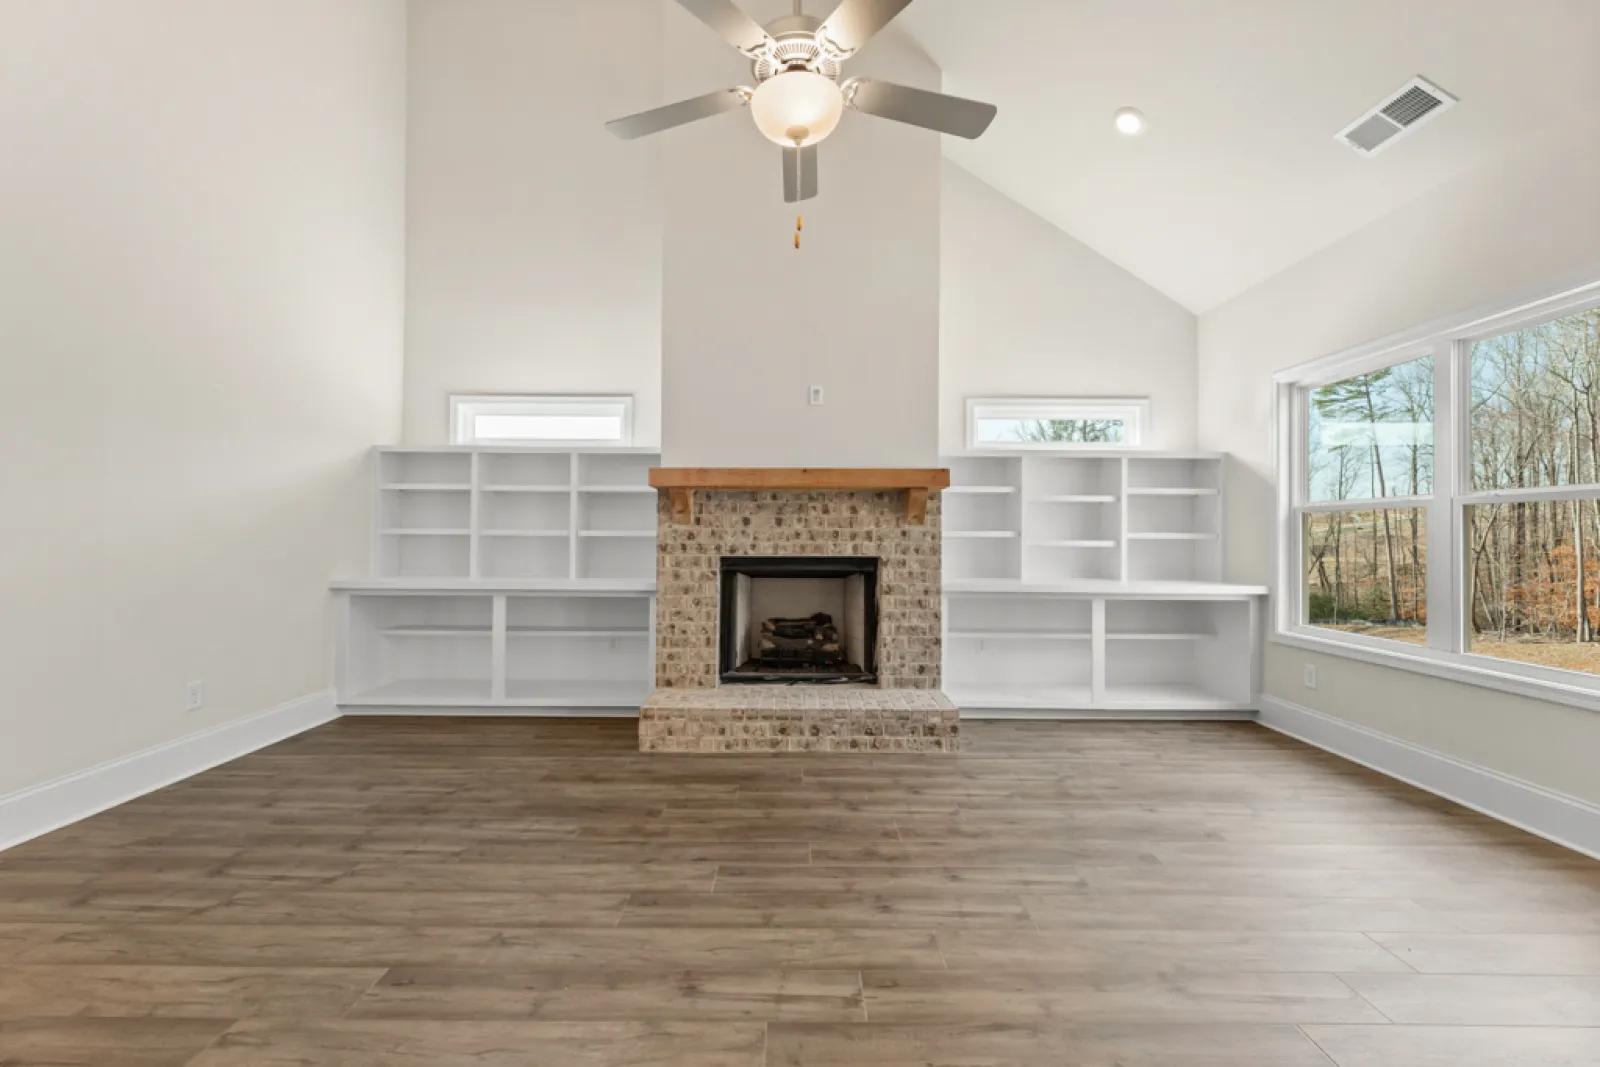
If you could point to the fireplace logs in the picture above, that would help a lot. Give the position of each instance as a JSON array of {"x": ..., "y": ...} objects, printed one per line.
[{"x": 812, "y": 641}]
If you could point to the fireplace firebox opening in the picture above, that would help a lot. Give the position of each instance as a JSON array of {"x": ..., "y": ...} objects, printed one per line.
[{"x": 810, "y": 620}]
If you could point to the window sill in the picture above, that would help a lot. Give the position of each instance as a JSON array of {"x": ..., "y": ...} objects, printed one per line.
[{"x": 1579, "y": 691}]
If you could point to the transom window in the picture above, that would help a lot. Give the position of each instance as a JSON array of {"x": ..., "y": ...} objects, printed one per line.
[
  {"x": 1441, "y": 495},
  {"x": 562, "y": 421},
  {"x": 1056, "y": 423}
]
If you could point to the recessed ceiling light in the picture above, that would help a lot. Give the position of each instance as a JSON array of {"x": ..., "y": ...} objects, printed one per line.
[{"x": 1131, "y": 121}]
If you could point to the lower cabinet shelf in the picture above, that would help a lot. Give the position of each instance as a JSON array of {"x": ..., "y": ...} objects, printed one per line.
[
  {"x": 1111, "y": 650},
  {"x": 507, "y": 648},
  {"x": 414, "y": 692}
]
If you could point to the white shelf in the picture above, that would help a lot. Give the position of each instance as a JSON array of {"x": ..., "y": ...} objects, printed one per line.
[
  {"x": 1019, "y": 695},
  {"x": 560, "y": 693},
  {"x": 517, "y": 586},
  {"x": 616, "y": 533},
  {"x": 1110, "y": 589},
  {"x": 641, "y": 489},
  {"x": 425, "y": 692},
  {"x": 557, "y": 631},
  {"x": 527, "y": 489},
  {"x": 997, "y": 534},
  {"x": 1172, "y": 537},
  {"x": 1075, "y": 498},
  {"x": 1020, "y": 635},
  {"x": 575, "y": 693},
  {"x": 1153, "y": 635},
  {"x": 980, "y": 490},
  {"x": 1175, "y": 490},
  {"x": 1072, "y": 544},
  {"x": 437, "y": 631},
  {"x": 1055, "y": 696},
  {"x": 426, "y": 487},
  {"x": 400, "y": 531},
  {"x": 524, "y": 533},
  {"x": 1168, "y": 696}
]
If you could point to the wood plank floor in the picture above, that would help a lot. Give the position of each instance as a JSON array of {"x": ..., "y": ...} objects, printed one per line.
[{"x": 410, "y": 892}]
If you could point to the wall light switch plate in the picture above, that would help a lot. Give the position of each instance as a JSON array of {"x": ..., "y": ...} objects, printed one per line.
[
  {"x": 197, "y": 696},
  {"x": 1311, "y": 676},
  {"x": 816, "y": 396}
]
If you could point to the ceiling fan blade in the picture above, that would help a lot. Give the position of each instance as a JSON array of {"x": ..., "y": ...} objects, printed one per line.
[
  {"x": 799, "y": 174},
  {"x": 854, "y": 22},
  {"x": 918, "y": 107},
  {"x": 731, "y": 24},
  {"x": 684, "y": 111}
]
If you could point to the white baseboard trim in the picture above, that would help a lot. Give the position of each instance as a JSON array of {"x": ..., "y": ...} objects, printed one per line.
[
  {"x": 1109, "y": 714},
  {"x": 1556, "y": 817},
  {"x": 490, "y": 711},
  {"x": 39, "y": 809}
]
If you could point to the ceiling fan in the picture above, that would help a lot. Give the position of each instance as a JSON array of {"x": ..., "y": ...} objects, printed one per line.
[{"x": 798, "y": 98}]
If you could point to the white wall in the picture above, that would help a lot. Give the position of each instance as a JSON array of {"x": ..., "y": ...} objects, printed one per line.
[
  {"x": 201, "y": 281},
  {"x": 534, "y": 235},
  {"x": 750, "y": 322},
  {"x": 1028, "y": 309},
  {"x": 547, "y": 256},
  {"x": 1530, "y": 221}
]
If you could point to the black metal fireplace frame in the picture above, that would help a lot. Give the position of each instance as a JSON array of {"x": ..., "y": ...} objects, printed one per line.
[{"x": 796, "y": 567}]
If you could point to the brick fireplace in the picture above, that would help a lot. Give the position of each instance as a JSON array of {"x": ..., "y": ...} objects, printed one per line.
[{"x": 812, "y": 516}]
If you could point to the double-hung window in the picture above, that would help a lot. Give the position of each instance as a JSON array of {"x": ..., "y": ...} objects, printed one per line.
[{"x": 1439, "y": 499}]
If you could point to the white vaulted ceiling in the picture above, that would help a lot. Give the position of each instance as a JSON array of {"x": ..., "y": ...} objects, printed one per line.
[{"x": 1239, "y": 175}]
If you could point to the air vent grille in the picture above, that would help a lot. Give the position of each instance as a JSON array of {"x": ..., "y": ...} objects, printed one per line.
[
  {"x": 1404, "y": 110},
  {"x": 1411, "y": 105}
]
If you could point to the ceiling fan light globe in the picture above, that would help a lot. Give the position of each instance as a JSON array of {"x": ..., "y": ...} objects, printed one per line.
[{"x": 797, "y": 108}]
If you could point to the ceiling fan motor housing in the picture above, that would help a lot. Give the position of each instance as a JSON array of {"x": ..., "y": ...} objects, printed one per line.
[{"x": 795, "y": 48}]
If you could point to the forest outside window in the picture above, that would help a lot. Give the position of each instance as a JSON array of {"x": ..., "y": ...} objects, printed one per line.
[
  {"x": 1440, "y": 499},
  {"x": 1532, "y": 524},
  {"x": 1369, "y": 447}
]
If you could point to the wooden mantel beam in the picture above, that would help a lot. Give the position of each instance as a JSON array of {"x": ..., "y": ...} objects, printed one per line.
[{"x": 917, "y": 482}]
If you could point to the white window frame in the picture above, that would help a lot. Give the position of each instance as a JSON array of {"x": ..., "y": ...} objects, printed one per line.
[
  {"x": 465, "y": 408},
  {"x": 1445, "y": 653},
  {"x": 1133, "y": 411}
]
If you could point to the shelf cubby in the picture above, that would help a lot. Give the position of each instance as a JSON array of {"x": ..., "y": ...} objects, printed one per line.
[
  {"x": 616, "y": 514},
  {"x": 616, "y": 558},
  {"x": 548, "y": 512},
  {"x": 525, "y": 555},
  {"x": 539, "y": 471},
  {"x": 988, "y": 558},
  {"x": 1178, "y": 475},
  {"x": 578, "y": 650},
  {"x": 419, "y": 554},
  {"x": 425, "y": 468},
  {"x": 982, "y": 514},
  {"x": 628, "y": 471},
  {"x": 406, "y": 649}
]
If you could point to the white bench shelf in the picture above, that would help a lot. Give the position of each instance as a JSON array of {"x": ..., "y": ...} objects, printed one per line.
[{"x": 1106, "y": 597}]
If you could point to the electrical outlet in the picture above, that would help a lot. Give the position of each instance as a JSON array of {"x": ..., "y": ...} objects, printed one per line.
[
  {"x": 197, "y": 696},
  {"x": 816, "y": 396},
  {"x": 1311, "y": 676}
]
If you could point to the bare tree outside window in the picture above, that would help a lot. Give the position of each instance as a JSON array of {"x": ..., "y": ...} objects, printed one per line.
[{"x": 1075, "y": 431}]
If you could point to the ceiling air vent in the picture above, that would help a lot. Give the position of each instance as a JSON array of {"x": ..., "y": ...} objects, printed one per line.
[{"x": 1417, "y": 101}]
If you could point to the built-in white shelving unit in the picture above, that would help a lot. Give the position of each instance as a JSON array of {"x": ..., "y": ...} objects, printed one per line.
[
  {"x": 506, "y": 578},
  {"x": 1089, "y": 583}
]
